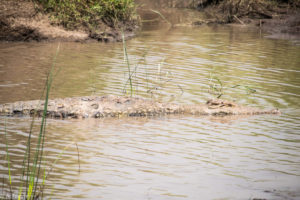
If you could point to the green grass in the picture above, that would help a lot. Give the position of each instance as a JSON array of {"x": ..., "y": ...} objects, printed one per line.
[
  {"x": 7, "y": 158},
  {"x": 32, "y": 168},
  {"x": 154, "y": 81},
  {"x": 90, "y": 13},
  {"x": 128, "y": 64},
  {"x": 218, "y": 88},
  {"x": 34, "y": 173}
]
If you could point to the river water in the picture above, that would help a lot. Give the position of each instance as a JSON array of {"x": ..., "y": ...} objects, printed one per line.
[{"x": 174, "y": 157}]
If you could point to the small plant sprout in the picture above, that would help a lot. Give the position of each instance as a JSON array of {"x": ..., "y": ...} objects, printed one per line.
[{"x": 217, "y": 88}]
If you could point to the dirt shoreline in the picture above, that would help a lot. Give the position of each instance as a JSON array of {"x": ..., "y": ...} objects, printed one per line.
[
  {"x": 284, "y": 26},
  {"x": 21, "y": 21},
  {"x": 280, "y": 21}
]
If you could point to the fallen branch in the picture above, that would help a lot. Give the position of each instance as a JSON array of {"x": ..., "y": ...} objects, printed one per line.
[{"x": 238, "y": 19}]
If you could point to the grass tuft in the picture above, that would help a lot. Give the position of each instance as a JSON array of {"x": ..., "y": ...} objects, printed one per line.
[
  {"x": 217, "y": 88},
  {"x": 128, "y": 64},
  {"x": 34, "y": 173}
]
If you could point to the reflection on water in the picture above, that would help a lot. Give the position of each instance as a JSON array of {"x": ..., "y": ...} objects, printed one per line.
[{"x": 179, "y": 157}]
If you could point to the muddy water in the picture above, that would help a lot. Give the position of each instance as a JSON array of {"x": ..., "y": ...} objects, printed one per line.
[{"x": 179, "y": 157}]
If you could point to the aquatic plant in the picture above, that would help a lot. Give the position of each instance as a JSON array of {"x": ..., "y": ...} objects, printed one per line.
[
  {"x": 154, "y": 83},
  {"x": 7, "y": 158},
  {"x": 33, "y": 177},
  {"x": 128, "y": 64},
  {"x": 217, "y": 88}
]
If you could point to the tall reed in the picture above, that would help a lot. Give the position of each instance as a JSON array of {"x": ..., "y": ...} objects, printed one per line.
[
  {"x": 31, "y": 167},
  {"x": 127, "y": 62},
  {"x": 7, "y": 158},
  {"x": 155, "y": 82},
  {"x": 33, "y": 172}
]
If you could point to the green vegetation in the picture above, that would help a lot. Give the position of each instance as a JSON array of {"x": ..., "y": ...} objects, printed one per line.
[
  {"x": 89, "y": 14},
  {"x": 153, "y": 83},
  {"x": 31, "y": 168},
  {"x": 217, "y": 88},
  {"x": 128, "y": 64},
  {"x": 34, "y": 175}
]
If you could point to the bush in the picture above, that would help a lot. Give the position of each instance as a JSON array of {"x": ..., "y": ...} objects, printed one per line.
[{"x": 86, "y": 13}]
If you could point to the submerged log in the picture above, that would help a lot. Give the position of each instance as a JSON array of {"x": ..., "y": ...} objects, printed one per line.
[{"x": 118, "y": 106}]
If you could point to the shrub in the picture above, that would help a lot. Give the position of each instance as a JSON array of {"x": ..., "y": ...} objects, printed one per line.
[{"x": 86, "y": 13}]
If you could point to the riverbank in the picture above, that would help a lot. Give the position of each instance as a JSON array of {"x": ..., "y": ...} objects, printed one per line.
[
  {"x": 24, "y": 20},
  {"x": 104, "y": 21},
  {"x": 279, "y": 19}
]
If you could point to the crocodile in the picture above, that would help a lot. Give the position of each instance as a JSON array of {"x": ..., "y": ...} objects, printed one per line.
[{"x": 118, "y": 106}]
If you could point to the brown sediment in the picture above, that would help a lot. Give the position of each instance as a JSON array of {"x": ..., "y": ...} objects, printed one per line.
[
  {"x": 278, "y": 19},
  {"x": 119, "y": 106}
]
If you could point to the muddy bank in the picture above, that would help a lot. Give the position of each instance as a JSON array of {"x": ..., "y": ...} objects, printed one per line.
[
  {"x": 115, "y": 106},
  {"x": 277, "y": 18},
  {"x": 283, "y": 26},
  {"x": 22, "y": 20}
]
